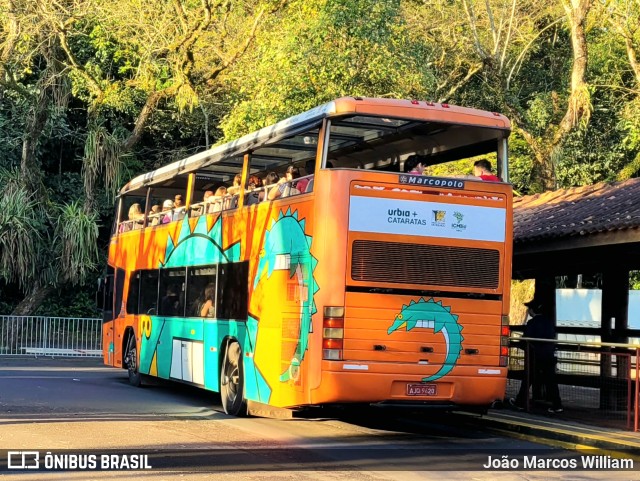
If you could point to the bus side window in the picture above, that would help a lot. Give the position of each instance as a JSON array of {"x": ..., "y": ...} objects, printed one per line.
[
  {"x": 172, "y": 291},
  {"x": 201, "y": 289},
  {"x": 134, "y": 293},
  {"x": 119, "y": 288},
  {"x": 148, "y": 292},
  {"x": 107, "y": 313},
  {"x": 232, "y": 296}
]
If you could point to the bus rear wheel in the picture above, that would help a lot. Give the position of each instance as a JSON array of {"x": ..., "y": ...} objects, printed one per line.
[
  {"x": 232, "y": 382},
  {"x": 131, "y": 361}
]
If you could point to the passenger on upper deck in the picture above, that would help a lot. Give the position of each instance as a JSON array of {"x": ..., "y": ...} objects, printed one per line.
[
  {"x": 170, "y": 302},
  {"x": 154, "y": 215},
  {"x": 135, "y": 214},
  {"x": 136, "y": 218},
  {"x": 178, "y": 206},
  {"x": 286, "y": 187},
  {"x": 309, "y": 169},
  {"x": 207, "y": 199},
  {"x": 218, "y": 200},
  {"x": 253, "y": 197},
  {"x": 413, "y": 165},
  {"x": 167, "y": 208},
  {"x": 482, "y": 169},
  {"x": 235, "y": 188},
  {"x": 270, "y": 179}
]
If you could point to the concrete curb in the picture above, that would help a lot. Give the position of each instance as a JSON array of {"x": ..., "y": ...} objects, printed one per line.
[{"x": 563, "y": 434}]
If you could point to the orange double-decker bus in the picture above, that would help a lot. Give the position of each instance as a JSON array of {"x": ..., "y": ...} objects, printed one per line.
[{"x": 302, "y": 265}]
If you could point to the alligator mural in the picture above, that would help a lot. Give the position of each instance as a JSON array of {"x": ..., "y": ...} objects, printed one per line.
[
  {"x": 433, "y": 315},
  {"x": 286, "y": 242}
]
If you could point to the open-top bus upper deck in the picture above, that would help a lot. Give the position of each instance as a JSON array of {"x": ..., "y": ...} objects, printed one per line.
[{"x": 394, "y": 126}]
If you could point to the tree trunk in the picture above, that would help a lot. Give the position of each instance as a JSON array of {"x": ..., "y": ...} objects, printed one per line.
[
  {"x": 579, "y": 105},
  {"x": 32, "y": 301},
  {"x": 26, "y": 307}
]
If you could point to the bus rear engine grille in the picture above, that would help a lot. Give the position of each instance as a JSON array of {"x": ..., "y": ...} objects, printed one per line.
[{"x": 399, "y": 263}]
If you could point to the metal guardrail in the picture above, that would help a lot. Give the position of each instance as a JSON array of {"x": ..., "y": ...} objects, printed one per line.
[
  {"x": 599, "y": 379},
  {"x": 50, "y": 336}
]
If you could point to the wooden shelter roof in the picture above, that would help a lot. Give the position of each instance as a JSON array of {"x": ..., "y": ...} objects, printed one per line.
[{"x": 579, "y": 212}]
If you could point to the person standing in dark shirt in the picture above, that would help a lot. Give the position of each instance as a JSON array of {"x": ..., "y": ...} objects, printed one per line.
[{"x": 540, "y": 360}]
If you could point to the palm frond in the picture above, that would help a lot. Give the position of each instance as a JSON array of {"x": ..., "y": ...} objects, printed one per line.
[
  {"x": 77, "y": 237},
  {"x": 102, "y": 153},
  {"x": 21, "y": 224}
]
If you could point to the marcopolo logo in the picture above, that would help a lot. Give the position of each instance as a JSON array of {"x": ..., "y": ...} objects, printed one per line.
[{"x": 401, "y": 216}]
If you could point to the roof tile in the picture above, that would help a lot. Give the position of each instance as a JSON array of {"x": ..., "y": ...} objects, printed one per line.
[{"x": 577, "y": 211}]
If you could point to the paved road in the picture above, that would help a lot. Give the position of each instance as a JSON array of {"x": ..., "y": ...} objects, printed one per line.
[{"x": 80, "y": 405}]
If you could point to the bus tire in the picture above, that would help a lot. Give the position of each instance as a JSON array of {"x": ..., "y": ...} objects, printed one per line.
[
  {"x": 232, "y": 381},
  {"x": 131, "y": 360}
]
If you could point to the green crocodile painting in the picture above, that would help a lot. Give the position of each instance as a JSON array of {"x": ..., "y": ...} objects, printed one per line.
[
  {"x": 287, "y": 238},
  {"x": 433, "y": 315}
]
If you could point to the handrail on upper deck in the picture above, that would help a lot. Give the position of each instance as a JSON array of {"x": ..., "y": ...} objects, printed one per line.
[{"x": 216, "y": 204}]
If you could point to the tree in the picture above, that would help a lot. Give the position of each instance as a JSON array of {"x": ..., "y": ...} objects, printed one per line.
[
  {"x": 494, "y": 40},
  {"x": 174, "y": 52},
  {"x": 42, "y": 243},
  {"x": 319, "y": 50},
  {"x": 624, "y": 19}
]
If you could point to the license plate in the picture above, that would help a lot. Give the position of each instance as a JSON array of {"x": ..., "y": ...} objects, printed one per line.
[{"x": 422, "y": 389}]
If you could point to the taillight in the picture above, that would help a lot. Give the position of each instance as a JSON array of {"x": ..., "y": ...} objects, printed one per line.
[
  {"x": 333, "y": 333},
  {"x": 505, "y": 332}
]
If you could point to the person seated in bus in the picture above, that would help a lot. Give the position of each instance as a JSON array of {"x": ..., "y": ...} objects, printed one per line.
[
  {"x": 218, "y": 200},
  {"x": 203, "y": 208},
  {"x": 154, "y": 215},
  {"x": 235, "y": 188},
  {"x": 206, "y": 305},
  {"x": 135, "y": 220},
  {"x": 414, "y": 165},
  {"x": 253, "y": 195},
  {"x": 482, "y": 169},
  {"x": 167, "y": 211},
  {"x": 178, "y": 208},
  {"x": 170, "y": 302},
  {"x": 285, "y": 184},
  {"x": 269, "y": 184},
  {"x": 309, "y": 169}
]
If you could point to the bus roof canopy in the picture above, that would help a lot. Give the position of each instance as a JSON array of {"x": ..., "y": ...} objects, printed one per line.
[{"x": 281, "y": 139}]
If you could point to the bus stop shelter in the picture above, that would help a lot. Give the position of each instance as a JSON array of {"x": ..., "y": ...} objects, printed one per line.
[{"x": 593, "y": 229}]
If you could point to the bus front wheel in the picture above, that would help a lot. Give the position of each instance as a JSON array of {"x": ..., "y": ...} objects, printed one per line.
[
  {"x": 131, "y": 361},
  {"x": 232, "y": 381}
]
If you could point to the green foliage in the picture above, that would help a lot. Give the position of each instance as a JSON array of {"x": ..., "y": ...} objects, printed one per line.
[
  {"x": 21, "y": 225},
  {"x": 70, "y": 302},
  {"x": 320, "y": 51},
  {"x": 521, "y": 166},
  {"x": 76, "y": 236}
]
